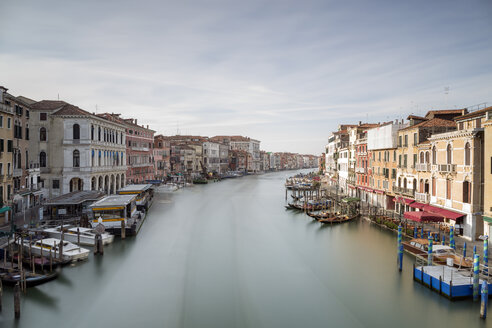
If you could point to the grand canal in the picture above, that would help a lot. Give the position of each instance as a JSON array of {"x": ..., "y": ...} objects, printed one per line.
[{"x": 229, "y": 255}]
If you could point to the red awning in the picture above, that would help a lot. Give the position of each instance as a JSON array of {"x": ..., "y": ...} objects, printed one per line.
[
  {"x": 442, "y": 212},
  {"x": 418, "y": 205},
  {"x": 352, "y": 187},
  {"x": 422, "y": 217},
  {"x": 400, "y": 199}
]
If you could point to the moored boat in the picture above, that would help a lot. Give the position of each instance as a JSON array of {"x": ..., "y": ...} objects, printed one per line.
[
  {"x": 42, "y": 247},
  {"x": 12, "y": 277},
  {"x": 440, "y": 253},
  {"x": 87, "y": 236}
]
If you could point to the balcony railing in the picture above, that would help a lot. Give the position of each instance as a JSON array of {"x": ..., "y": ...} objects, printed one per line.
[
  {"x": 404, "y": 191},
  {"x": 360, "y": 170},
  {"x": 446, "y": 168},
  {"x": 422, "y": 197},
  {"x": 423, "y": 167}
]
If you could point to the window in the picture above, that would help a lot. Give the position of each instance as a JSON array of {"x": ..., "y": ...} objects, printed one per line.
[
  {"x": 92, "y": 132},
  {"x": 10, "y": 146},
  {"x": 99, "y": 134},
  {"x": 27, "y": 160},
  {"x": 460, "y": 126},
  {"x": 19, "y": 160},
  {"x": 415, "y": 139},
  {"x": 449, "y": 152},
  {"x": 1, "y": 146},
  {"x": 406, "y": 140},
  {"x": 421, "y": 157},
  {"x": 466, "y": 192},
  {"x": 399, "y": 141},
  {"x": 1, "y": 121},
  {"x": 42, "y": 116},
  {"x": 42, "y": 159},
  {"x": 399, "y": 160},
  {"x": 9, "y": 122},
  {"x": 448, "y": 189},
  {"x": 467, "y": 154},
  {"x": 405, "y": 160},
  {"x": 76, "y": 158},
  {"x": 27, "y": 132},
  {"x": 414, "y": 159},
  {"x": 394, "y": 155},
  {"x": 42, "y": 134},
  {"x": 478, "y": 123},
  {"x": 427, "y": 157},
  {"x": 27, "y": 113},
  {"x": 56, "y": 184},
  {"x": 393, "y": 174},
  {"x": 76, "y": 131},
  {"x": 379, "y": 156},
  {"x": 434, "y": 155}
]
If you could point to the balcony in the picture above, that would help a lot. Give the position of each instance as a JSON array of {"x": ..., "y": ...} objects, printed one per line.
[
  {"x": 5, "y": 108},
  {"x": 17, "y": 173},
  {"x": 360, "y": 170},
  {"x": 404, "y": 191},
  {"x": 136, "y": 148},
  {"x": 446, "y": 168},
  {"x": 422, "y": 197},
  {"x": 423, "y": 167}
]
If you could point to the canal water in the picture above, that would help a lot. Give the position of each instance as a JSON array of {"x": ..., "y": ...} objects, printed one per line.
[{"x": 229, "y": 254}]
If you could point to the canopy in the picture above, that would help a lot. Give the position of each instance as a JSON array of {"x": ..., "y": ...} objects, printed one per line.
[
  {"x": 423, "y": 217},
  {"x": 4, "y": 209},
  {"x": 418, "y": 205},
  {"x": 400, "y": 199},
  {"x": 442, "y": 212}
]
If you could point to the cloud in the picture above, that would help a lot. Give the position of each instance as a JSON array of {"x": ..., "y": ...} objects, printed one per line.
[{"x": 276, "y": 70}]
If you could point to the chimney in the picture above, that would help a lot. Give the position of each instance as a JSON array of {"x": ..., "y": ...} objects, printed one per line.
[
  {"x": 136, "y": 122},
  {"x": 147, "y": 126},
  {"x": 360, "y": 123},
  {"x": 396, "y": 121}
]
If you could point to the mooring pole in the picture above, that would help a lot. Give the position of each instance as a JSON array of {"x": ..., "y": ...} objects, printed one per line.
[
  {"x": 485, "y": 299},
  {"x": 476, "y": 263},
  {"x": 400, "y": 249},
  {"x": 17, "y": 301}
]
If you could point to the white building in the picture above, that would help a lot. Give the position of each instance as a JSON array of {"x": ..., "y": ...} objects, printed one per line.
[
  {"x": 211, "y": 156},
  {"x": 77, "y": 150}
]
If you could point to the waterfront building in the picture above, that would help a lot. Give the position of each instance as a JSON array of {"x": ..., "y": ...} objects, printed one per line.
[
  {"x": 265, "y": 161},
  {"x": 139, "y": 152},
  {"x": 6, "y": 150},
  {"x": 382, "y": 144},
  {"x": 330, "y": 163},
  {"x": 424, "y": 175},
  {"x": 458, "y": 174},
  {"x": 211, "y": 157},
  {"x": 487, "y": 189},
  {"x": 76, "y": 150},
  {"x": 407, "y": 154},
  {"x": 224, "y": 158},
  {"x": 362, "y": 156},
  {"x": 238, "y": 160},
  {"x": 162, "y": 150},
  {"x": 25, "y": 168}
]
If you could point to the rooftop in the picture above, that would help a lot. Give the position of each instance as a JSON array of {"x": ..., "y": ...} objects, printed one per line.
[
  {"x": 435, "y": 122},
  {"x": 114, "y": 200},
  {"x": 76, "y": 197},
  {"x": 135, "y": 187}
]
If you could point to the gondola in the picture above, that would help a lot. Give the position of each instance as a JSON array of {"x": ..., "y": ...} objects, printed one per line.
[
  {"x": 337, "y": 219},
  {"x": 12, "y": 277}
]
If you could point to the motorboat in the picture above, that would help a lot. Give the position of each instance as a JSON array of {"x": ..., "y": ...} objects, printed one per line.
[
  {"x": 171, "y": 187},
  {"x": 440, "y": 253},
  {"x": 43, "y": 247},
  {"x": 70, "y": 233}
]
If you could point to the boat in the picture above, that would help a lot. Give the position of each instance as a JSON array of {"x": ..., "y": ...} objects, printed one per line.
[
  {"x": 337, "y": 219},
  {"x": 12, "y": 277},
  {"x": 200, "y": 181},
  {"x": 70, "y": 251},
  {"x": 171, "y": 187},
  {"x": 112, "y": 210},
  {"x": 440, "y": 253},
  {"x": 87, "y": 235}
]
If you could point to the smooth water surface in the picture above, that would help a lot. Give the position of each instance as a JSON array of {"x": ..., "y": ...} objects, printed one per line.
[{"x": 229, "y": 254}]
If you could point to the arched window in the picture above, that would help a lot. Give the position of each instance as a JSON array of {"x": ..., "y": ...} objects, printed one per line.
[
  {"x": 466, "y": 192},
  {"x": 19, "y": 160},
  {"x": 427, "y": 157},
  {"x": 434, "y": 155},
  {"x": 76, "y": 131},
  {"x": 422, "y": 157},
  {"x": 42, "y": 159},
  {"x": 99, "y": 134},
  {"x": 449, "y": 156},
  {"x": 42, "y": 134},
  {"x": 92, "y": 132},
  {"x": 405, "y": 183},
  {"x": 434, "y": 186},
  {"x": 467, "y": 154},
  {"x": 76, "y": 158}
]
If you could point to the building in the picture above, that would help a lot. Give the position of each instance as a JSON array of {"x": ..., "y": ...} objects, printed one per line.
[
  {"x": 382, "y": 144},
  {"x": 407, "y": 154},
  {"x": 457, "y": 174},
  {"x": 76, "y": 150},
  {"x": 6, "y": 151},
  {"x": 139, "y": 152},
  {"x": 252, "y": 146},
  {"x": 224, "y": 158},
  {"x": 162, "y": 157},
  {"x": 487, "y": 205},
  {"x": 211, "y": 157}
]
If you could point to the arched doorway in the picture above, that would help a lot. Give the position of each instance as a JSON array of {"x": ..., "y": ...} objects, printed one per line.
[
  {"x": 93, "y": 183},
  {"x": 76, "y": 184},
  {"x": 106, "y": 184},
  {"x": 112, "y": 186},
  {"x": 117, "y": 182},
  {"x": 100, "y": 186}
]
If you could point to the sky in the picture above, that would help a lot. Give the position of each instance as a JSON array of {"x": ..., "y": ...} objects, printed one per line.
[{"x": 284, "y": 72}]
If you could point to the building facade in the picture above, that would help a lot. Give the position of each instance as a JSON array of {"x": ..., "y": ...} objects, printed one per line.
[{"x": 76, "y": 150}]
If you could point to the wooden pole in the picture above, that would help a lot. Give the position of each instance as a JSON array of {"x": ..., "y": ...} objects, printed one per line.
[
  {"x": 123, "y": 230},
  {"x": 61, "y": 244},
  {"x": 100, "y": 245},
  {"x": 17, "y": 301},
  {"x": 51, "y": 262},
  {"x": 1, "y": 294},
  {"x": 78, "y": 236}
]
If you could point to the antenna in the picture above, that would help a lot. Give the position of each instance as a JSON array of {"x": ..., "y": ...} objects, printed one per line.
[
  {"x": 58, "y": 96},
  {"x": 446, "y": 92}
]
